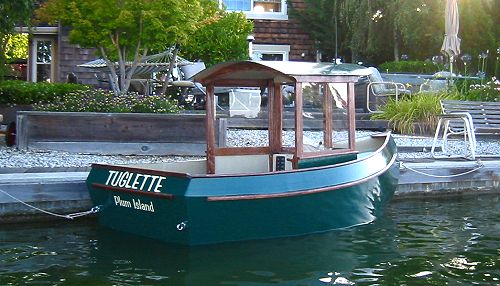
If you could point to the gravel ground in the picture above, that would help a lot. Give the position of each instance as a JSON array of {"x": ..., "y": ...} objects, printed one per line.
[{"x": 13, "y": 158}]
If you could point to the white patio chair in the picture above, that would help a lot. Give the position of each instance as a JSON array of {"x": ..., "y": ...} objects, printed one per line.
[{"x": 382, "y": 89}]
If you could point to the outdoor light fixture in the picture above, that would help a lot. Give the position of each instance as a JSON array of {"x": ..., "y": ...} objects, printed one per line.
[
  {"x": 438, "y": 60},
  {"x": 466, "y": 58},
  {"x": 250, "y": 39}
]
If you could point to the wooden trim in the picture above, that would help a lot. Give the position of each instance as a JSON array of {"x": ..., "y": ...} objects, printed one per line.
[
  {"x": 275, "y": 117},
  {"x": 132, "y": 192},
  {"x": 140, "y": 170},
  {"x": 295, "y": 160},
  {"x": 232, "y": 151},
  {"x": 209, "y": 121},
  {"x": 324, "y": 153},
  {"x": 326, "y": 78},
  {"x": 328, "y": 117},
  {"x": 304, "y": 192},
  {"x": 223, "y": 76},
  {"x": 299, "y": 121},
  {"x": 289, "y": 150},
  {"x": 270, "y": 116},
  {"x": 239, "y": 82}
]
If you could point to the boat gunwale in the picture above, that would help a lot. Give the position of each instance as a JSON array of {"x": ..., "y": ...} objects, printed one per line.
[
  {"x": 197, "y": 176},
  {"x": 309, "y": 191}
]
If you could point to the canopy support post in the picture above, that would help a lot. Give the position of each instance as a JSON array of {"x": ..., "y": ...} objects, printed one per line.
[
  {"x": 210, "y": 122},
  {"x": 327, "y": 116},
  {"x": 275, "y": 107},
  {"x": 299, "y": 122}
]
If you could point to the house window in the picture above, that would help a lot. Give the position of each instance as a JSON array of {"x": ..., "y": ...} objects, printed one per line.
[
  {"x": 258, "y": 9},
  {"x": 42, "y": 62},
  {"x": 270, "y": 52}
]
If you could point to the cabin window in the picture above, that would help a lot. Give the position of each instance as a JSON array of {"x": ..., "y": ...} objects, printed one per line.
[
  {"x": 325, "y": 117},
  {"x": 270, "y": 52},
  {"x": 258, "y": 9}
]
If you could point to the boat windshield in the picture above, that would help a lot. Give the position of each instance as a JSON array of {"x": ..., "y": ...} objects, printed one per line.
[{"x": 324, "y": 117}]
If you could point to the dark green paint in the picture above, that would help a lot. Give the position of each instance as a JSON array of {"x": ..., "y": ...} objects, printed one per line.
[
  {"x": 360, "y": 189},
  {"x": 326, "y": 161}
]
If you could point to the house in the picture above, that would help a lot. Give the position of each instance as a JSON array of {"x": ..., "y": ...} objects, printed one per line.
[
  {"x": 276, "y": 37},
  {"x": 51, "y": 57}
]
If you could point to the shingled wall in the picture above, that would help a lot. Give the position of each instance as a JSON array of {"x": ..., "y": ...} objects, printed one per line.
[
  {"x": 279, "y": 32},
  {"x": 70, "y": 56}
]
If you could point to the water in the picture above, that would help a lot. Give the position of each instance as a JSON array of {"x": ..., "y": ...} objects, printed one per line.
[{"x": 438, "y": 242}]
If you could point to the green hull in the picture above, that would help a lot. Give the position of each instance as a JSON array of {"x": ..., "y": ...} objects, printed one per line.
[{"x": 203, "y": 209}]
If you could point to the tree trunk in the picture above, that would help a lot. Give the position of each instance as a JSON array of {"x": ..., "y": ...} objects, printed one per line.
[
  {"x": 170, "y": 69},
  {"x": 113, "y": 77},
  {"x": 396, "y": 42}
]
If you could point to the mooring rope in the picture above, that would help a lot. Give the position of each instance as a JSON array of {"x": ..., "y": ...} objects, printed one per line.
[
  {"x": 479, "y": 165},
  {"x": 66, "y": 216}
]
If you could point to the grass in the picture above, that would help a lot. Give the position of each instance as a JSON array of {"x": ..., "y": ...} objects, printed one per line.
[{"x": 416, "y": 114}]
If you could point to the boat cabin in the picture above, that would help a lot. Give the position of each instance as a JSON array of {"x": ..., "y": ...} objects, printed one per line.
[{"x": 303, "y": 99}]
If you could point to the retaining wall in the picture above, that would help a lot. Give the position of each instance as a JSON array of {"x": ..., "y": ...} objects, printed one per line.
[{"x": 116, "y": 133}]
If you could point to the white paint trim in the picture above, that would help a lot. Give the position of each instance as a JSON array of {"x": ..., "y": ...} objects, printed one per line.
[
  {"x": 279, "y": 16},
  {"x": 272, "y": 49},
  {"x": 38, "y": 30},
  {"x": 266, "y": 16},
  {"x": 33, "y": 63}
]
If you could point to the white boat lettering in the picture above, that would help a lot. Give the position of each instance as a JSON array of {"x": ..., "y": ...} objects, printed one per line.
[
  {"x": 122, "y": 203},
  {"x": 135, "y": 181},
  {"x": 136, "y": 204}
]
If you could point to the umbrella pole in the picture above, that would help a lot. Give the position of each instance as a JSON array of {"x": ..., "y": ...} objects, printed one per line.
[{"x": 451, "y": 72}]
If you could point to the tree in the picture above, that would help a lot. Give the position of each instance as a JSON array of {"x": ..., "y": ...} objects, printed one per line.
[
  {"x": 125, "y": 31},
  {"x": 479, "y": 32},
  {"x": 17, "y": 47},
  {"x": 14, "y": 13},
  {"x": 321, "y": 19},
  {"x": 375, "y": 31},
  {"x": 220, "y": 40}
]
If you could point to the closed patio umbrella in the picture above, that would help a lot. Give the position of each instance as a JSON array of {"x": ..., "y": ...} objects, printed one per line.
[{"x": 451, "y": 43}]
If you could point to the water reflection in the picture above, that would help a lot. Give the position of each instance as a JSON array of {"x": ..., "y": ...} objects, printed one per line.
[
  {"x": 418, "y": 243},
  {"x": 272, "y": 261}
]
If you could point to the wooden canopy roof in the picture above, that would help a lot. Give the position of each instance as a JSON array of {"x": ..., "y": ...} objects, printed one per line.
[{"x": 257, "y": 73}]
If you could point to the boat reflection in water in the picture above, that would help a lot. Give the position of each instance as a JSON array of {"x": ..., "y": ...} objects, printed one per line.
[{"x": 298, "y": 261}]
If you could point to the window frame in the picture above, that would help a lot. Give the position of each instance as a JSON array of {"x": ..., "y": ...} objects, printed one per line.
[
  {"x": 34, "y": 63},
  {"x": 283, "y": 15},
  {"x": 271, "y": 49}
]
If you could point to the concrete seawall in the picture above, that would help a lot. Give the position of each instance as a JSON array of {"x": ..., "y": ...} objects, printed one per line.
[{"x": 66, "y": 192}]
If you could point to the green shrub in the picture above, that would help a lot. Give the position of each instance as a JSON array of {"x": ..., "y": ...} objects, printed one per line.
[
  {"x": 489, "y": 91},
  {"x": 424, "y": 67},
  {"x": 421, "y": 110},
  {"x": 105, "y": 101},
  {"x": 23, "y": 92}
]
